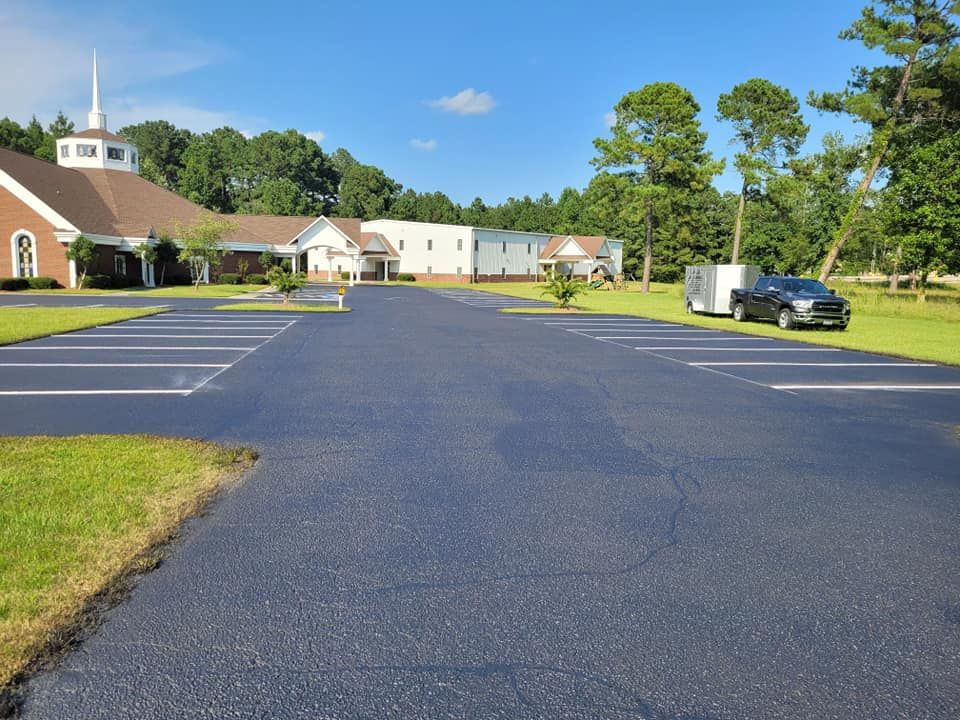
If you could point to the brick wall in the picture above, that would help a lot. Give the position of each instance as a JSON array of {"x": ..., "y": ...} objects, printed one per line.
[{"x": 14, "y": 215}]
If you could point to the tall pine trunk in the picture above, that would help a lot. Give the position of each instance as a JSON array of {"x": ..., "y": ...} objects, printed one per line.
[
  {"x": 738, "y": 226},
  {"x": 648, "y": 249},
  {"x": 882, "y": 143}
]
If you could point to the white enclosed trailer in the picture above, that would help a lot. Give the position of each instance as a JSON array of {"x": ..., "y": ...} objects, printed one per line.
[{"x": 707, "y": 288}]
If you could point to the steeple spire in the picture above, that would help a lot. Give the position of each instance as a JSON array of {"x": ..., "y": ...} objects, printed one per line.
[{"x": 96, "y": 118}]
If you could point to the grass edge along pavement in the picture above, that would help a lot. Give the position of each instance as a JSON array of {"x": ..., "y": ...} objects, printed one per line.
[
  {"x": 929, "y": 339},
  {"x": 280, "y": 307},
  {"x": 187, "y": 291},
  {"x": 18, "y": 324},
  {"x": 80, "y": 518}
]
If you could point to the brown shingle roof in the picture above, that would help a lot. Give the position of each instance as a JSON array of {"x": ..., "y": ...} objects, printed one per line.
[
  {"x": 349, "y": 227},
  {"x": 591, "y": 244},
  {"x": 119, "y": 203},
  {"x": 98, "y": 134}
]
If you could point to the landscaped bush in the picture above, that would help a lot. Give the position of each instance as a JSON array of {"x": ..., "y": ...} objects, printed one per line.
[
  {"x": 406, "y": 277},
  {"x": 97, "y": 282},
  {"x": 345, "y": 276},
  {"x": 42, "y": 283},
  {"x": 255, "y": 279},
  {"x": 14, "y": 284},
  {"x": 229, "y": 278}
]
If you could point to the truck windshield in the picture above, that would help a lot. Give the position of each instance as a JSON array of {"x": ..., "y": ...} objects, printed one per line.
[{"x": 802, "y": 286}]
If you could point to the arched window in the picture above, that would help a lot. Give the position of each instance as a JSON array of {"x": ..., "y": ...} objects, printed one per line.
[{"x": 23, "y": 245}]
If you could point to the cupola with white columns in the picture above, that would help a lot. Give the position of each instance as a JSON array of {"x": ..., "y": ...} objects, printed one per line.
[{"x": 96, "y": 147}]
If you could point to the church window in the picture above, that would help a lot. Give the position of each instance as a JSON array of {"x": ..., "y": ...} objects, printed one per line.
[
  {"x": 86, "y": 150},
  {"x": 64, "y": 151},
  {"x": 115, "y": 153}
]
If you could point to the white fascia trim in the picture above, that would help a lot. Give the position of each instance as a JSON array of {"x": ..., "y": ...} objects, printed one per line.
[
  {"x": 429, "y": 224},
  {"x": 34, "y": 203},
  {"x": 587, "y": 257},
  {"x": 301, "y": 233}
]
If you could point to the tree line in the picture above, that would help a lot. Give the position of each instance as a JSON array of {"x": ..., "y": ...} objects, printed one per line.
[{"x": 813, "y": 214}]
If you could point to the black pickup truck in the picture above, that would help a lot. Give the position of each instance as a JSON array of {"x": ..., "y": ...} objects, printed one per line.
[{"x": 790, "y": 301}]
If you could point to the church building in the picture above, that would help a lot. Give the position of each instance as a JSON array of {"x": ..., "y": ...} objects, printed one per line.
[{"x": 95, "y": 190}]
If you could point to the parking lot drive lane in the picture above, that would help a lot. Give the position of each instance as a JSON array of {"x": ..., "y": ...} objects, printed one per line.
[{"x": 463, "y": 514}]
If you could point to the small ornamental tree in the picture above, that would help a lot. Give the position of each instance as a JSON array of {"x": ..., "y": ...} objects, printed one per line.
[
  {"x": 146, "y": 253},
  {"x": 167, "y": 252},
  {"x": 83, "y": 252},
  {"x": 563, "y": 289},
  {"x": 286, "y": 282},
  {"x": 265, "y": 260},
  {"x": 201, "y": 245},
  {"x": 242, "y": 267}
]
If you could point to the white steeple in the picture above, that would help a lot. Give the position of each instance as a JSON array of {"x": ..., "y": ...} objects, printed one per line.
[{"x": 96, "y": 118}]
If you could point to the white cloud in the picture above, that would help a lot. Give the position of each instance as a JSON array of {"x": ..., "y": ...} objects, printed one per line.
[
  {"x": 53, "y": 68},
  {"x": 466, "y": 102},
  {"x": 425, "y": 145},
  {"x": 609, "y": 119},
  {"x": 318, "y": 136}
]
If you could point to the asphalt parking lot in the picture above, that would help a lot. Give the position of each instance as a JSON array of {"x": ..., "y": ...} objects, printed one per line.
[
  {"x": 473, "y": 298},
  {"x": 779, "y": 364},
  {"x": 460, "y": 513},
  {"x": 174, "y": 353}
]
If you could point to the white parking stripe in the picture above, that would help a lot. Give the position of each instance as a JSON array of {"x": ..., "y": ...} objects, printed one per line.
[
  {"x": 20, "y": 305},
  {"x": 115, "y": 365},
  {"x": 237, "y": 315},
  {"x": 166, "y": 321},
  {"x": 192, "y": 328},
  {"x": 659, "y": 337},
  {"x": 865, "y": 387},
  {"x": 123, "y": 347},
  {"x": 88, "y": 334},
  {"x": 95, "y": 392},
  {"x": 740, "y": 349},
  {"x": 816, "y": 364}
]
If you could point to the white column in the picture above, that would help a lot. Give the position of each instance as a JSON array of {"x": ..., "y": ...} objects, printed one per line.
[
  {"x": 72, "y": 270},
  {"x": 329, "y": 268},
  {"x": 144, "y": 272},
  {"x": 206, "y": 273},
  {"x": 354, "y": 271}
]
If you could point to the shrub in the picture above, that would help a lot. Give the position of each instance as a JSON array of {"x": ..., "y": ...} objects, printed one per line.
[
  {"x": 97, "y": 282},
  {"x": 255, "y": 279},
  {"x": 563, "y": 289},
  {"x": 42, "y": 283},
  {"x": 229, "y": 278},
  {"x": 14, "y": 284},
  {"x": 345, "y": 276},
  {"x": 406, "y": 277}
]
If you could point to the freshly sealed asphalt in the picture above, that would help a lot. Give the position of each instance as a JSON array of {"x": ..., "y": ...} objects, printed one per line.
[{"x": 459, "y": 513}]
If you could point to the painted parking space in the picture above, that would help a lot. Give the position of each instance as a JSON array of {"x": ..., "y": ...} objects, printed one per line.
[
  {"x": 311, "y": 293},
  {"x": 170, "y": 354},
  {"x": 478, "y": 299},
  {"x": 778, "y": 363}
]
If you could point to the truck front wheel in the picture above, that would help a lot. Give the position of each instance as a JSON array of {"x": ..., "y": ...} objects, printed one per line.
[
  {"x": 739, "y": 312},
  {"x": 785, "y": 319}
]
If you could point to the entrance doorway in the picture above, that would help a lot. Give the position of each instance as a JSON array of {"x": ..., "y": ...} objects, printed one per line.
[{"x": 382, "y": 270}]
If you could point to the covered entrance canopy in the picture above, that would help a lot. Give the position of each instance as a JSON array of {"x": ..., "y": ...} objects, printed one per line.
[{"x": 577, "y": 255}]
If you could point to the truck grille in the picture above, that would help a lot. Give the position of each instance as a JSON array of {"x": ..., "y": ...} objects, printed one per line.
[{"x": 828, "y": 306}]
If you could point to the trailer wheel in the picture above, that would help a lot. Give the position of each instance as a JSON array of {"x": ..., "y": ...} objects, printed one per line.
[
  {"x": 785, "y": 319},
  {"x": 689, "y": 308},
  {"x": 739, "y": 312}
]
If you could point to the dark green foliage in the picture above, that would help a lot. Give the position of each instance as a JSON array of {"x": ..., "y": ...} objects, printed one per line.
[
  {"x": 42, "y": 283},
  {"x": 406, "y": 277},
  {"x": 344, "y": 276},
  {"x": 12, "y": 284},
  {"x": 564, "y": 289},
  {"x": 229, "y": 278},
  {"x": 255, "y": 279}
]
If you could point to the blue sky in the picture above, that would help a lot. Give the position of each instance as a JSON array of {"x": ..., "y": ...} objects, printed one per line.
[{"x": 391, "y": 82}]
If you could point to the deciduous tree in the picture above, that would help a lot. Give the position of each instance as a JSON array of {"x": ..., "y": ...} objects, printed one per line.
[
  {"x": 83, "y": 252},
  {"x": 201, "y": 245},
  {"x": 920, "y": 35}
]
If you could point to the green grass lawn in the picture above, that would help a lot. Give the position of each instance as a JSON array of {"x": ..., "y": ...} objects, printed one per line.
[
  {"x": 274, "y": 307},
  {"x": 78, "y": 512},
  {"x": 211, "y": 290},
  {"x": 26, "y": 323},
  {"x": 898, "y": 326}
]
